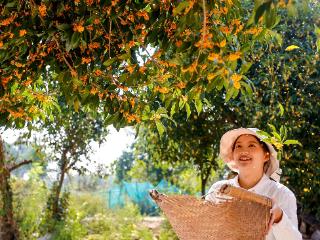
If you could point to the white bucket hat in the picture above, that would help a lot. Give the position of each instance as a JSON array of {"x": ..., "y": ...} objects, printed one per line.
[{"x": 226, "y": 151}]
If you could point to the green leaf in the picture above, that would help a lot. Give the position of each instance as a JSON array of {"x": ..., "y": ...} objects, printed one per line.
[
  {"x": 63, "y": 27},
  {"x": 75, "y": 40},
  {"x": 111, "y": 118},
  {"x": 160, "y": 127},
  {"x": 277, "y": 136},
  {"x": 208, "y": 104},
  {"x": 188, "y": 110},
  {"x": 14, "y": 87},
  {"x": 182, "y": 5},
  {"x": 245, "y": 67},
  {"x": 176, "y": 61},
  {"x": 162, "y": 110},
  {"x": 281, "y": 109},
  {"x": 198, "y": 104},
  {"x": 220, "y": 82},
  {"x": 171, "y": 119},
  {"x": 126, "y": 107},
  {"x": 292, "y": 142},
  {"x": 181, "y": 103},
  {"x": 261, "y": 10},
  {"x": 124, "y": 56},
  {"x": 263, "y": 133},
  {"x": 89, "y": 20},
  {"x": 235, "y": 93},
  {"x": 292, "y": 8},
  {"x": 278, "y": 38},
  {"x": 76, "y": 82},
  {"x": 173, "y": 109},
  {"x": 109, "y": 62},
  {"x": 124, "y": 77},
  {"x": 247, "y": 87},
  {"x": 76, "y": 105},
  {"x": 282, "y": 131},
  {"x": 11, "y": 4},
  {"x": 317, "y": 30},
  {"x": 145, "y": 116},
  {"x": 272, "y": 127},
  {"x": 226, "y": 83},
  {"x": 168, "y": 101},
  {"x": 271, "y": 18},
  {"x": 229, "y": 93}
]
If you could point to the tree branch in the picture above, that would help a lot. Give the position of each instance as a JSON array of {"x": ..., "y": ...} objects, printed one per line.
[
  {"x": 71, "y": 164},
  {"x": 15, "y": 166},
  {"x": 63, "y": 56}
]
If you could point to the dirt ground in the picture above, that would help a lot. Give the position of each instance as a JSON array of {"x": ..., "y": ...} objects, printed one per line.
[{"x": 153, "y": 223}]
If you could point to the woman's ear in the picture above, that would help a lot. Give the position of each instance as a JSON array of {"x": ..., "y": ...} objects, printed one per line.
[
  {"x": 266, "y": 165},
  {"x": 266, "y": 156}
]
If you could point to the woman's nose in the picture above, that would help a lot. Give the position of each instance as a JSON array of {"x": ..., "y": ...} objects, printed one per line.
[{"x": 244, "y": 152}]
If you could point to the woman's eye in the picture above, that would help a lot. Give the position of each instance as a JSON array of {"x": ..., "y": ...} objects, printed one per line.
[
  {"x": 238, "y": 146},
  {"x": 251, "y": 145}
]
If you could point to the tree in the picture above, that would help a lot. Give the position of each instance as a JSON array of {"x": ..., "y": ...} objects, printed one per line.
[
  {"x": 195, "y": 141},
  {"x": 25, "y": 147},
  {"x": 122, "y": 165},
  {"x": 69, "y": 137},
  {"x": 7, "y": 224},
  {"x": 286, "y": 78},
  {"x": 256, "y": 111},
  {"x": 8, "y": 164}
]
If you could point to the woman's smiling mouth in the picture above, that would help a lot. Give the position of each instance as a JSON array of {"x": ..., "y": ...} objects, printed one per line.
[{"x": 244, "y": 158}]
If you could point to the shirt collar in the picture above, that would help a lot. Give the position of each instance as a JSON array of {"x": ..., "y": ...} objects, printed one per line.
[{"x": 259, "y": 187}]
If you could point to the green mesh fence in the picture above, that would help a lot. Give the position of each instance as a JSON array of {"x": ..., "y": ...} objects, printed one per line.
[{"x": 138, "y": 193}]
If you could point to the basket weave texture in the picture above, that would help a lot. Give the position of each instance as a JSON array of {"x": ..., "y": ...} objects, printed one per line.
[{"x": 243, "y": 218}]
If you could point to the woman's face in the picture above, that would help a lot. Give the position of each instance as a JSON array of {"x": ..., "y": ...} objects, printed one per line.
[{"x": 249, "y": 155}]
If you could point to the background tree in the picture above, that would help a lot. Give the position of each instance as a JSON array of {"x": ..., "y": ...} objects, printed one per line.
[
  {"x": 123, "y": 164},
  {"x": 136, "y": 166},
  {"x": 11, "y": 161},
  {"x": 69, "y": 139},
  {"x": 286, "y": 75},
  {"x": 195, "y": 141}
]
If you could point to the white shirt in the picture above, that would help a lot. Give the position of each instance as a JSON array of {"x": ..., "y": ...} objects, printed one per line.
[{"x": 287, "y": 227}]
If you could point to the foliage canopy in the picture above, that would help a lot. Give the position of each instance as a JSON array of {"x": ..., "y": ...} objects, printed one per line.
[{"x": 98, "y": 52}]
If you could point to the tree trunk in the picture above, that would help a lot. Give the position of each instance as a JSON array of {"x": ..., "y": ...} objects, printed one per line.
[
  {"x": 8, "y": 229},
  {"x": 203, "y": 182},
  {"x": 56, "y": 211},
  {"x": 203, "y": 186},
  {"x": 204, "y": 174}
]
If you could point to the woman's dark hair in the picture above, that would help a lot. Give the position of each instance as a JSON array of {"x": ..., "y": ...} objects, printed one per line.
[{"x": 263, "y": 144}]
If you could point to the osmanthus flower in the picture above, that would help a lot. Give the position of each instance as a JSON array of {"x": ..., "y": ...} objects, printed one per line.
[
  {"x": 42, "y": 10},
  {"x": 236, "y": 80}
]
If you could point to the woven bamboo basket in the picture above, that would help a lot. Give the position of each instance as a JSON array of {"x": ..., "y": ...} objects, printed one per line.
[{"x": 243, "y": 218}]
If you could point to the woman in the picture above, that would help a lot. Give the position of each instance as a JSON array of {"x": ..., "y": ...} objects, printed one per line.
[{"x": 258, "y": 171}]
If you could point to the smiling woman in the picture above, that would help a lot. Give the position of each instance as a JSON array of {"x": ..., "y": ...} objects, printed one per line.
[{"x": 255, "y": 161}]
